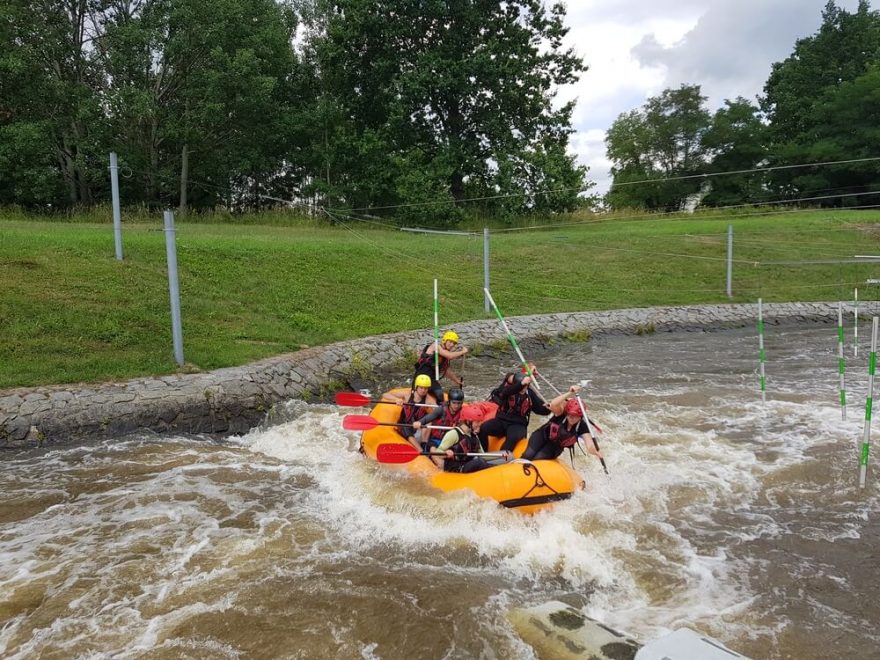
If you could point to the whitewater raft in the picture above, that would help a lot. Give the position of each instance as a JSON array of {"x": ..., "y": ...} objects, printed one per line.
[{"x": 527, "y": 486}]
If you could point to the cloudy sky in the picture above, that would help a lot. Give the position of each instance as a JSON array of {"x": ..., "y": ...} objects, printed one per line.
[{"x": 637, "y": 48}]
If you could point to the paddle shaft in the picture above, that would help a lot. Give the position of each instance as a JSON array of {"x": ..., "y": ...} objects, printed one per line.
[
  {"x": 355, "y": 399},
  {"x": 436, "y": 334},
  {"x": 404, "y": 453},
  {"x": 592, "y": 433},
  {"x": 365, "y": 423},
  {"x": 512, "y": 339}
]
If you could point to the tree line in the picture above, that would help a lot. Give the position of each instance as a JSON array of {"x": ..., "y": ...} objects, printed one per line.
[
  {"x": 820, "y": 105},
  {"x": 403, "y": 108}
]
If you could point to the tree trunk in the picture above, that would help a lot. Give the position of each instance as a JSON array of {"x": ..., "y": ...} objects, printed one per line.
[
  {"x": 67, "y": 170},
  {"x": 184, "y": 176},
  {"x": 154, "y": 162},
  {"x": 82, "y": 177}
]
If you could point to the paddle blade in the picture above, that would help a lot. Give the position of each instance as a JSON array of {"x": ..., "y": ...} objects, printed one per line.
[
  {"x": 351, "y": 399},
  {"x": 359, "y": 423},
  {"x": 396, "y": 453}
]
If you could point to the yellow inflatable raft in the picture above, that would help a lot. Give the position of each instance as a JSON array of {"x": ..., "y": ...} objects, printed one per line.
[{"x": 522, "y": 485}]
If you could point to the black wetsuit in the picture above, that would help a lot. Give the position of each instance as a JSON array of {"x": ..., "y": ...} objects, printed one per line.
[{"x": 512, "y": 418}]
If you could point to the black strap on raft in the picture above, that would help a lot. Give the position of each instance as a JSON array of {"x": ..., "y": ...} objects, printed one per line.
[{"x": 539, "y": 480}]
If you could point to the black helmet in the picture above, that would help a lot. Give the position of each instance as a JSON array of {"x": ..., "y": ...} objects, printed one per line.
[
  {"x": 456, "y": 394},
  {"x": 518, "y": 377}
]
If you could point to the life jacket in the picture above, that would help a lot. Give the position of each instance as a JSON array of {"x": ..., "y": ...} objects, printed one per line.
[
  {"x": 467, "y": 444},
  {"x": 556, "y": 431},
  {"x": 448, "y": 418},
  {"x": 495, "y": 395},
  {"x": 410, "y": 414},
  {"x": 518, "y": 404},
  {"x": 425, "y": 363}
]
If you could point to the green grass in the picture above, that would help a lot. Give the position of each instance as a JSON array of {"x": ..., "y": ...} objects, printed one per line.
[{"x": 258, "y": 286}]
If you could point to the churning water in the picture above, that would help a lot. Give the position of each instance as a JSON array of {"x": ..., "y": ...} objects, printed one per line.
[{"x": 740, "y": 519}]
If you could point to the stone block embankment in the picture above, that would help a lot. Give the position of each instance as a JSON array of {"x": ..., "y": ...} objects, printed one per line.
[{"x": 233, "y": 400}]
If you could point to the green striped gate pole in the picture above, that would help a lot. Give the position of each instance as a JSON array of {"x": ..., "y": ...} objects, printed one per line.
[
  {"x": 856, "y": 323},
  {"x": 761, "y": 351},
  {"x": 841, "y": 361},
  {"x": 436, "y": 334},
  {"x": 512, "y": 340},
  {"x": 866, "y": 436}
]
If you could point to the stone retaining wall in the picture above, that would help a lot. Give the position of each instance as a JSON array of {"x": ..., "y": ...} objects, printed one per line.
[{"x": 234, "y": 400}]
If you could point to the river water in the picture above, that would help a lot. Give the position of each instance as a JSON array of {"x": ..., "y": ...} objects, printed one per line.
[{"x": 721, "y": 513}]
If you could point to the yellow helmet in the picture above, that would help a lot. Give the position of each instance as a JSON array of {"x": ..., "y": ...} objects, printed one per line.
[
  {"x": 450, "y": 335},
  {"x": 423, "y": 380}
]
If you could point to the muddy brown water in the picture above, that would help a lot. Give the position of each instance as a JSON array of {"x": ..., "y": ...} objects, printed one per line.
[{"x": 740, "y": 519}]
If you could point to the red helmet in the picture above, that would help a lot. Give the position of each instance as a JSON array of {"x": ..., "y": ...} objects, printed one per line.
[
  {"x": 572, "y": 407},
  {"x": 471, "y": 414}
]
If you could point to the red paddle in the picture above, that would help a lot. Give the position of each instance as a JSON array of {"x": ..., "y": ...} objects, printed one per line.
[
  {"x": 400, "y": 453},
  {"x": 357, "y": 399},
  {"x": 365, "y": 423}
]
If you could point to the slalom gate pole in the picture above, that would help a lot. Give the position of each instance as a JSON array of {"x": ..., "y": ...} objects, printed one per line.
[
  {"x": 436, "y": 334},
  {"x": 856, "y": 322},
  {"x": 841, "y": 361},
  {"x": 866, "y": 436},
  {"x": 763, "y": 379},
  {"x": 512, "y": 340}
]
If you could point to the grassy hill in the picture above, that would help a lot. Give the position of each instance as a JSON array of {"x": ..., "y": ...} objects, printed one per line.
[{"x": 263, "y": 285}]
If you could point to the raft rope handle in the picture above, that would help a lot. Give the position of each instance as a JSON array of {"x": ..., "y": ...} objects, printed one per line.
[{"x": 539, "y": 480}]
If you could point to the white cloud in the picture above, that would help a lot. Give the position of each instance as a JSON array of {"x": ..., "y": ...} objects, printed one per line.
[{"x": 637, "y": 48}]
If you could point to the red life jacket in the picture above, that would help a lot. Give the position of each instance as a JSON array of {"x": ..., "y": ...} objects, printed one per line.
[
  {"x": 448, "y": 418},
  {"x": 410, "y": 414},
  {"x": 556, "y": 431},
  {"x": 425, "y": 363},
  {"x": 518, "y": 404},
  {"x": 467, "y": 444}
]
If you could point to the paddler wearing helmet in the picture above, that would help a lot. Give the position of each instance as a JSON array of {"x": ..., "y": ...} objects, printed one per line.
[
  {"x": 446, "y": 414},
  {"x": 562, "y": 430},
  {"x": 447, "y": 351},
  {"x": 409, "y": 413},
  {"x": 516, "y": 402},
  {"x": 463, "y": 440}
]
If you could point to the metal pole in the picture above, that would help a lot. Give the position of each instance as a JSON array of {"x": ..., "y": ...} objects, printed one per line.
[
  {"x": 866, "y": 436},
  {"x": 486, "y": 269},
  {"x": 730, "y": 261},
  {"x": 841, "y": 361},
  {"x": 173, "y": 289},
  {"x": 117, "y": 219},
  {"x": 761, "y": 351}
]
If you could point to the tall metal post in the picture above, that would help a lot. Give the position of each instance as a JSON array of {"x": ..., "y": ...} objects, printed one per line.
[
  {"x": 486, "y": 269},
  {"x": 730, "y": 261},
  {"x": 117, "y": 216},
  {"x": 173, "y": 289}
]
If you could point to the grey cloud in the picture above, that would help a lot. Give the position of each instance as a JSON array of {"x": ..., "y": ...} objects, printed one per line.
[{"x": 730, "y": 51}]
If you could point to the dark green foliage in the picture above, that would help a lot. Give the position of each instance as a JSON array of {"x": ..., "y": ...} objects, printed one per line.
[
  {"x": 411, "y": 105},
  {"x": 817, "y": 104},
  {"x": 664, "y": 139},
  {"x": 736, "y": 141},
  {"x": 446, "y": 101}
]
